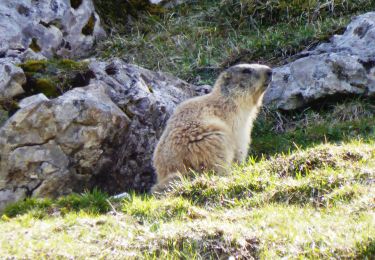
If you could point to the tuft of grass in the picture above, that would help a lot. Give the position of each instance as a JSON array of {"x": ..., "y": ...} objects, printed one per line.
[
  {"x": 94, "y": 202},
  {"x": 38, "y": 207},
  {"x": 118, "y": 14},
  {"x": 276, "y": 11},
  {"x": 212, "y": 244},
  {"x": 259, "y": 210},
  {"x": 148, "y": 208},
  {"x": 321, "y": 176}
]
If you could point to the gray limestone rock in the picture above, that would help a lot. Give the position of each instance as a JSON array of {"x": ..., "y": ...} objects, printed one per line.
[
  {"x": 11, "y": 79},
  {"x": 55, "y": 147},
  {"x": 148, "y": 99},
  {"x": 48, "y": 27},
  {"x": 344, "y": 66}
]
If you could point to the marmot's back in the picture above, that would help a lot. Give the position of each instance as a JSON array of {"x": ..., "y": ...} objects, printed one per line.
[{"x": 190, "y": 141}]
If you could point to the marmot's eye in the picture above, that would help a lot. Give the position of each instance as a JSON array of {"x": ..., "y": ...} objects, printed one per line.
[{"x": 247, "y": 71}]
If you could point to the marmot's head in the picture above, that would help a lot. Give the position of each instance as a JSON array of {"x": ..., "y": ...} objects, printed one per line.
[{"x": 244, "y": 80}]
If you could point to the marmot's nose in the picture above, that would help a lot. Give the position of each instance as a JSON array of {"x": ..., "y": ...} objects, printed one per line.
[{"x": 269, "y": 73}]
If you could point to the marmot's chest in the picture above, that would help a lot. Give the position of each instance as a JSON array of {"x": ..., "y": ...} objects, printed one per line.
[{"x": 242, "y": 128}]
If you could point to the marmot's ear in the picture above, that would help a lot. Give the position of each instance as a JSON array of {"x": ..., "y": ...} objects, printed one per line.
[
  {"x": 225, "y": 82},
  {"x": 227, "y": 75}
]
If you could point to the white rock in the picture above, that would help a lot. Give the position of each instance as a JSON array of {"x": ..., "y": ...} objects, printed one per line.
[
  {"x": 345, "y": 66},
  {"x": 123, "y": 195}
]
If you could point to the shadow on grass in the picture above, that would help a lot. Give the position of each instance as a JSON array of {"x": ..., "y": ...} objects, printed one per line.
[
  {"x": 366, "y": 250},
  {"x": 276, "y": 133},
  {"x": 269, "y": 144}
]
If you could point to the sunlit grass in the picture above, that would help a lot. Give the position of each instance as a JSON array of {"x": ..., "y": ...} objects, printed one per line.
[{"x": 312, "y": 202}]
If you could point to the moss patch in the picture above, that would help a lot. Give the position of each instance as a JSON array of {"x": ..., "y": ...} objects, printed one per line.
[
  {"x": 3, "y": 116},
  {"x": 8, "y": 107},
  {"x": 88, "y": 29},
  {"x": 34, "y": 45},
  {"x": 54, "y": 77}
]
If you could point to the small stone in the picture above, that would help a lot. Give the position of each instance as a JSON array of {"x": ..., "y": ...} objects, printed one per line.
[{"x": 123, "y": 195}]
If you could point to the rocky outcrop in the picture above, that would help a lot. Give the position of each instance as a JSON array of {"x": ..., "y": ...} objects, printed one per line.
[
  {"x": 148, "y": 99},
  {"x": 100, "y": 135},
  {"x": 344, "y": 66},
  {"x": 64, "y": 28},
  {"x": 54, "y": 147}
]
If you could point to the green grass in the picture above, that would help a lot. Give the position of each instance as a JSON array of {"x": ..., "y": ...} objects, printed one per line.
[
  {"x": 312, "y": 200},
  {"x": 196, "y": 41},
  {"x": 276, "y": 132},
  {"x": 93, "y": 202}
]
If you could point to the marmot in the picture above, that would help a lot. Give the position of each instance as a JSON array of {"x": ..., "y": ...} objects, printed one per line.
[{"x": 212, "y": 131}]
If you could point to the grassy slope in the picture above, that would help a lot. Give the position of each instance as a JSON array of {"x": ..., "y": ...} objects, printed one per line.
[
  {"x": 307, "y": 189},
  {"x": 314, "y": 198}
]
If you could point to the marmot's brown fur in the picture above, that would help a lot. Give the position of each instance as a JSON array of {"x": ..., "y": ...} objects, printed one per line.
[{"x": 212, "y": 131}]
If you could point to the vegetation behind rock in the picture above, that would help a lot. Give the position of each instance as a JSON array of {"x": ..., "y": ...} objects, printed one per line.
[{"x": 196, "y": 41}]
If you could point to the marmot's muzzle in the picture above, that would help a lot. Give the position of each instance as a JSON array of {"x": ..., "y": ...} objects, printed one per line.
[{"x": 268, "y": 77}]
